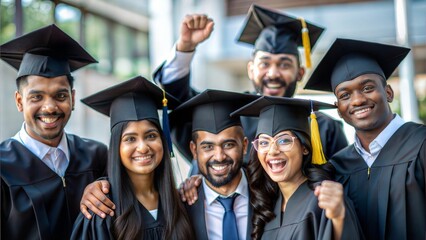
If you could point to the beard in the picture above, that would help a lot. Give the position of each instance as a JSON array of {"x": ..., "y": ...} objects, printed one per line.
[
  {"x": 223, "y": 180},
  {"x": 43, "y": 134}
]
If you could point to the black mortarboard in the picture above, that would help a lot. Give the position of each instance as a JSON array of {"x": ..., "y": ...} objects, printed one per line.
[
  {"x": 275, "y": 32},
  {"x": 132, "y": 100},
  {"x": 280, "y": 113},
  {"x": 208, "y": 111},
  {"x": 347, "y": 59},
  {"x": 47, "y": 52},
  {"x": 277, "y": 114}
]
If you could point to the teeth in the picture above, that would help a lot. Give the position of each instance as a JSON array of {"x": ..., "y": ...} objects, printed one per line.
[
  {"x": 362, "y": 111},
  {"x": 277, "y": 164},
  {"x": 142, "y": 158},
  {"x": 276, "y": 161},
  {"x": 273, "y": 85},
  {"x": 48, "y": 120},
  {"x": 218, "y": 167}
]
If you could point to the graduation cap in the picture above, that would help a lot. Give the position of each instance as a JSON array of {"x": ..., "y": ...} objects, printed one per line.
[
  {"x": 347, "y": 59},
  {"x": 208, "y": 111},
  {"x": 47, "y": 52},
  {"x": 275, "y": 32},
  {"x": 277, "y": 114},
  {"x": 133, "y": 100}
]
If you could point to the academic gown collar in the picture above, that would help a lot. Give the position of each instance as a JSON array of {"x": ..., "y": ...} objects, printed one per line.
[
  {"x": 19, "y": 166},
  {"x": 280, "y": 220},
  {"x": 349, "y": 161}
]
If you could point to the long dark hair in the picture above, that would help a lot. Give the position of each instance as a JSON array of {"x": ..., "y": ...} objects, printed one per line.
[
  {"x": 264, "y": 191},
  {"x": 129, "y": 223}
]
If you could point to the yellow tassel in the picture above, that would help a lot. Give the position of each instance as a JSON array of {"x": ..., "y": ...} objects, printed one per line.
[
  {"x": 318, "y": 156},
  {"x": 164, "y": 98},
  {"x": 306, "y": 43}
]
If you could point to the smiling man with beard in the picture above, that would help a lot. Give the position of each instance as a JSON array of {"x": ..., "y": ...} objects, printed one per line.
[
  {"x": 218, "y": 144},
  {"x": 44, "y": 169},
  {"x": 275, "y": 68}
]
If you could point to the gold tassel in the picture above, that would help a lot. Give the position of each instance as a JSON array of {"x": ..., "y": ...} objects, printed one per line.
[
  {"x": 164, "y": 98},
  {"x": 318, "y": 156},
  {"x": 306, "y": 43}
]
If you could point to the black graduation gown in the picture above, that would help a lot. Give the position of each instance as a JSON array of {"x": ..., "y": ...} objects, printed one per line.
[
  {"x": 332, "y": 135},
  {"x": 390, "y": 201},
  {"x": 36, "y": 203},
  {"x": 99, "y": 228},
  {"x": 304, "y": 220}
]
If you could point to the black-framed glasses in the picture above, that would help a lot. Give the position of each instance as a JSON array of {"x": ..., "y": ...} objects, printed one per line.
[{"x": 283, "y": 143}]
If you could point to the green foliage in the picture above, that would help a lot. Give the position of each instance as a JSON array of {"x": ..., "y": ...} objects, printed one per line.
[
  {"x": 120, "y": 51},
  {"x": 422, "y": 110},
  {"x": 396, "y": 107},
  {"x": 7, "y": 26},
  {"x": 36, "y": 14}
]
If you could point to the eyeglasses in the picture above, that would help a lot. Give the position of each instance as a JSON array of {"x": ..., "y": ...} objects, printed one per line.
[{"x": 283, "y": 143}]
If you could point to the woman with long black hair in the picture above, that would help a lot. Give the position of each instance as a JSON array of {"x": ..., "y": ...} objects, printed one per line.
[
  {"x": 291, "y": 190},
  {"x": 139, "y": 168}
]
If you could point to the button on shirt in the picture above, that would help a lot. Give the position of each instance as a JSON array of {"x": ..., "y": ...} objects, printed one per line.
[
  {"x": 214, "y": 211},
  {"x": 51, "y": 156},
  {"x": 379, "y": 142}
]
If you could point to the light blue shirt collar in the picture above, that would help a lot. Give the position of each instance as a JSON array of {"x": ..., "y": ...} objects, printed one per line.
[
  {"x": 38, "y": 148},
  {"x": 379, "y": 142}
]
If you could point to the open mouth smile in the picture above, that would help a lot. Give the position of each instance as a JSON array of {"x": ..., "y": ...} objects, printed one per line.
[{"x": 277, "y": 165}]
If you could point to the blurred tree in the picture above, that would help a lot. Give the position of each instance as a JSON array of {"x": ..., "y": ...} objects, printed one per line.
[
  {"x": 422, "y": 110},
  {"x": 36, "y": 14}
]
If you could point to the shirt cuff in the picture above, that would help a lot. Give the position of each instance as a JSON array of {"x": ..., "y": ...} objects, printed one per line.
[{"x": 176, "y": 66}]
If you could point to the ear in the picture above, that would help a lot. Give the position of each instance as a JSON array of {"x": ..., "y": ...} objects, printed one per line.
[
  {"x": 73, "y": 98},
  {"x": 338, "y": 112},
  {"x": 18, "y": 101},
  {"x": 193, "y": 148},
  {"x": 305, "y": 151},
  {"x": 389, "y": 93},
  {"x": 245, "y": 145},
  {"x": 250, "y": 67},
  {"x": 300, "y": 74}
]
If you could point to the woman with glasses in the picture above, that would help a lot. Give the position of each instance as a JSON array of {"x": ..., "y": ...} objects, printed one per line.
[
  {"x": 139, "y": 168},
  {"x": 291, "y": 190}
]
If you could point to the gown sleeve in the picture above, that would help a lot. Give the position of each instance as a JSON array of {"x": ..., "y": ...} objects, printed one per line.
[
  {"x": 95, "y": 228},
  {"x": 351, "y": 229}
]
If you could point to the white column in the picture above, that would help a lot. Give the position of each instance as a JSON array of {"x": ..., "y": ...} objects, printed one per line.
[
  {"x": 409, "y": 108},
  {"x": 160, "y": 31}
]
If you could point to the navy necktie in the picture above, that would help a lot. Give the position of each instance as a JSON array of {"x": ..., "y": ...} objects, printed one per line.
[{"x": 229, "y": 227}]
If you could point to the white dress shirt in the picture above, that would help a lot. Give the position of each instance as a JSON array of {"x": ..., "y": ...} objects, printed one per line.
[
  {"x": 177, "y": 65},
  {"x": 50, "y": 156},
  {"x": 379, "y": 142},
  {"x": 214, "y": 211}
]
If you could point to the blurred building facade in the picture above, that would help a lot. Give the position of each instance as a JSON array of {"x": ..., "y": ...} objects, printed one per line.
[{"x": 134, "y": 37}]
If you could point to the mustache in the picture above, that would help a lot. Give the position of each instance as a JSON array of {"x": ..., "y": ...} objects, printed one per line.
[
  {"x": 55, "y": 114},
  {"x": 226, "y": 161},
  {"x": 280, "y": 81}
]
